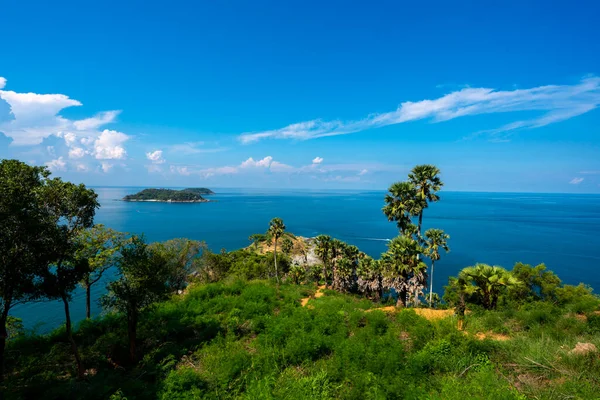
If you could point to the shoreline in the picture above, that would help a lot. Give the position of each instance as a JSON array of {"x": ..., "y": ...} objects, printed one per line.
[{"x": 168, "y": 201}]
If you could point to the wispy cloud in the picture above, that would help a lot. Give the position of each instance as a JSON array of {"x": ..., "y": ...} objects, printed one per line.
[
  {"x": 189, "y": 148},
  {"x": 555, "y": 102},
  {"x": 576, "y": 181},
  {"x": 590, "y": 172}
]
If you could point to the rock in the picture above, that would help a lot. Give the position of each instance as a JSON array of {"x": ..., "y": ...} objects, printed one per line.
[{"x": 583, "y": 349}]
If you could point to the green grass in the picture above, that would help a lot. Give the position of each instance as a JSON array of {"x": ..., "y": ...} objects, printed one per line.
[{"x": 253, "y": 340}]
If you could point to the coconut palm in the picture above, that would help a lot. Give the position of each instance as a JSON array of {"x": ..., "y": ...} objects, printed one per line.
[
  {"x": 489, "y": 282},
  {"x": 435, "y": 239},
  {"x": 323, "y": 251},
  {"x": 402, "y": 269},
  {"x": 426, "y": 181},
  {"x": 401, "y": 206},
  {"x": 276, "y": 229}
]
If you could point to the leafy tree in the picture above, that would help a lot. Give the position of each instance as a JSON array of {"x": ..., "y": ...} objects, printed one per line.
[
  {"x": 323, "y": 250},
  {"x": 489, "y": 282},
  {"x": 98, "y": 246},
  {"x": 435, "y": 239},
  {"x": 426, "y": 181},
  {"x": 538, "y": 283},
  {"x": 402, "y": 205},
  {"x": 71, "y": 210},
  {"x": 180, "y": 256},
  {"x": 25, "y": 240},
  {"x": 403, "y": 271},
  {"x": 143, "y": 279},
  {"x": 276, "y": 229}
]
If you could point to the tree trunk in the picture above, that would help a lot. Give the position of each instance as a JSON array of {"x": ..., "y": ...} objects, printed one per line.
[
  {"x": 402, "y": 298},
  {"x": 431, "y": 285},
  {"x": 420, "y": 221},
  {"x": 132, "y": 333},
  {"x": 3, "y": 337},
  {"x": 88, "y": 296},
  {"x": 275, "y": 257},
  {"x": 80, "y": 370}
]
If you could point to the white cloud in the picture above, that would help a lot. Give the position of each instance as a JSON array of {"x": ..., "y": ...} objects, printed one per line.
[
  {"x": 317, "y": 160},
  {"x": 96, "y": 121},
  {"x": 363, "y": 172},
  {"x": 76, "y": 152},
  {"x": 106, "y": 167},
  {"x": 51, "y": 150},
  {"x": 109, "y": 145},
  {"x": 576, "y": 181},
  {"x": 82, "y": 168},
  {"x": 555, "y": 102},
  {"x": 590, "y": 172},
  {"x": 276, "y": 166},
  {"x": 180, "y": 170},
  {"x": 189, "y": 148},
  {"x": 2, "y": 82},
  {"x": 35, "y": 117},
  {"x": 155, "y": 157},
  {"x": 264, "y": 163},
  {"x": 57, "y": 165}
]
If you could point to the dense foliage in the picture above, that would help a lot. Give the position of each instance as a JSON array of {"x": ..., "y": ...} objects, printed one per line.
[
  {"x": 182, "y": 322},
  {"x": 254, "y": 340},
  {"x": 187, "y": 195},
  {"x": 200, "y": 191}
]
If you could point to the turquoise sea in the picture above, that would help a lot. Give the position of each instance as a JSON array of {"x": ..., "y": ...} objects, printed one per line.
[{"x": 561, "y": 230}]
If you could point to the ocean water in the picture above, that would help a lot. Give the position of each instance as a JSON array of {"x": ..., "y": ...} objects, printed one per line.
[{"x": 560, "y": 230}]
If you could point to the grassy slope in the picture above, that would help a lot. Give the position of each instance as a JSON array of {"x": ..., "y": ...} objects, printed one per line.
[{"x": 251, "y": 340}]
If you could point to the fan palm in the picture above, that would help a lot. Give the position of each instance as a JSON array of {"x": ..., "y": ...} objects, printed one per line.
[
  {"x": 489, "y": 282},
  {"x": 369, "y": 278},
  {"x": 426, "y": 182},
  {"x": 403, "y": 271},
  {"x": 276, "y": 229},
  {"x": 323, "y": 251},
  {"x": 435, "y": 239},
  {"x": 401, "y": 205}
]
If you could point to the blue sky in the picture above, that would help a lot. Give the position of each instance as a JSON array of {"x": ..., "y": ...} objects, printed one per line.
[{"x": 304, "y": 94}]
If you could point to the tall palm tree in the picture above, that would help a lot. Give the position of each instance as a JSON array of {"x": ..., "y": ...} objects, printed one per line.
[
  {"x": 323, "y": 250},
  {"x": 337, "y": 249},
  {"x": 401, "y": 206},
  {"x": 435, "y": 239},
  {"x": 489, "y": 282},
  {"x": 403, "y": 271},
  {"x": 426, "y": 182},
  {"x": 276, "y": 229}
]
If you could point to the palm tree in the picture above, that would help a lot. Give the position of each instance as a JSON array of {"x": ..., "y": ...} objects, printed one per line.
[
  {"x": 323, "y": 249},
  {"x": 426, "y": 182},
  {"x": 435, "y": 239},
  {"x": 369, "y": 278},
  {"x": 403, "y": 271},
  {"x": 489, "y": 282},
  {"x": 337, "y": 249},
  {"x": 276, "y": 229},
  {"x": 401, "y": 206}
]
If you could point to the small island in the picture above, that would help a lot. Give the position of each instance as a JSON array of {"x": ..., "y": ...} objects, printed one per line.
[{"x": 189, "y": 195}]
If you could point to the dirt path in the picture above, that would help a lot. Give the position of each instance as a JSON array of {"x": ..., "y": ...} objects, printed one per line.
[
  {"x": 428, "y": 313},
  {"x": 318, "y": 293}
]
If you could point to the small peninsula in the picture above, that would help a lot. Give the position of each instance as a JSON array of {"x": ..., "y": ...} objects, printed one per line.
[{"x": 189, "y": 195}]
